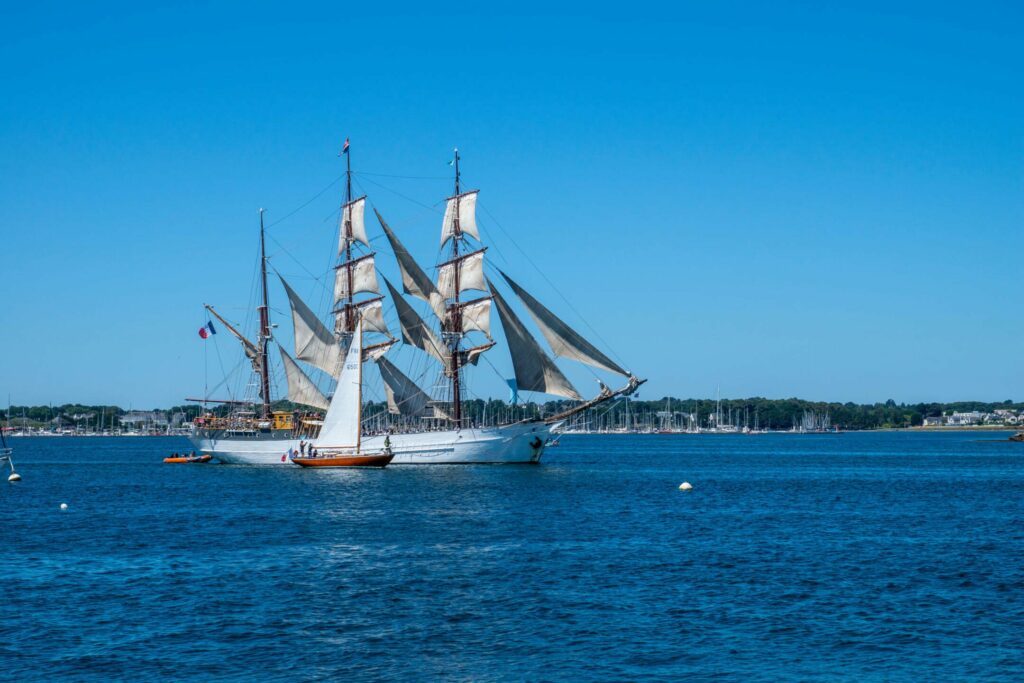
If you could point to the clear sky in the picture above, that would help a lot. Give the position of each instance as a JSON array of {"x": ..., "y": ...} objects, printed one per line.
[{"x": 783, "y": 199}]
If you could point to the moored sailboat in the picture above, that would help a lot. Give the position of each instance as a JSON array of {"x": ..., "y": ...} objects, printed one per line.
[{"x": 339, "y": 443}]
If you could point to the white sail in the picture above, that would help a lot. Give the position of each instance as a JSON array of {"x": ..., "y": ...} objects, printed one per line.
[
  {"x": 476, "y": 316},
  {"x": 314, "y": 343},
  {"x": 471, "y": 275},
  {"x": 364, "y": 278},
  {"x": 404, "y": 396},
  {"x": 341, "y": 428},
  {"x": 467, "y": 216},
  {"x": 301, "y": 388},
  {"x": 415, "y": 331},
  {"x": 373, "y": 318},
  {"x": 565, "y": 341},
  {"x": 353, "y": 224},
  {"x": 533, "y": 369}
]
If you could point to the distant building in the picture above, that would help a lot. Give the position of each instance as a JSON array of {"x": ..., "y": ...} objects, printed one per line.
[
  {"x": 966, "y": 419},
  {"x": 933, "y": 421}
]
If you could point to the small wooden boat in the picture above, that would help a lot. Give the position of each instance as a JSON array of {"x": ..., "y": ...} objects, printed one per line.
[
  {"x": 340, "y": 441},
  {"x": 205, "y": 458},
  {"x": 341, "y": 460},
  {"x": 1019, "y": 436}
]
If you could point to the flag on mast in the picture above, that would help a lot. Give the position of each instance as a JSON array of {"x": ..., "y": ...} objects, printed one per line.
[
  {"x": 206, "y": 330},
  {"x": 344, "y": 148}
]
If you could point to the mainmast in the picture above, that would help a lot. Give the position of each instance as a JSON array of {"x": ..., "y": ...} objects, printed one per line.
[
  {"x": 264, "y": 311},
  {"x": 455, "y": 312},
  {"x": 349, "y": 318}
]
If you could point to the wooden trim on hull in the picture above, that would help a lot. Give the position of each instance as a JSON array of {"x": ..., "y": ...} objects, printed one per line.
[{"x": 345, "y": 461}]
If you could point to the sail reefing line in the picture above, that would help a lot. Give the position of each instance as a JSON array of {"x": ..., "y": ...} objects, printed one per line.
[
  {"x": 564, "y": 341},
  {"x": 301, "y": 388}
]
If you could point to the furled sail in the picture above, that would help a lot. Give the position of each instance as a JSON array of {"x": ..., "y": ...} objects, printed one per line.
[
  {"x": 301, "y": 388},
  {"x": 404, "y": 396},
  {"x": 476, "y": 316},
  {"x": 415, "y": 282},
  {"x": 565, "y": 341},
  {"x": 364, "y": 278},
  {"x": 534, "y": 370},
  {"x": 415, "y": 331},
  {"x": 353, "y": 224},
  {"x": 471, "y": 274},
  {"x": 314, "y": 343},
  {"x": 467, "y": 216},
  {"x": 341, "y": 428}
]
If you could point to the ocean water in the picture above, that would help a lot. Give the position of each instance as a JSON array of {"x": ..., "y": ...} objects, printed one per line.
[{"x": 886, "y": 556}]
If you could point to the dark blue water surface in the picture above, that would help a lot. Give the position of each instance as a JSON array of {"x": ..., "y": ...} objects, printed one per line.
[{"x": 888, "y": 556}]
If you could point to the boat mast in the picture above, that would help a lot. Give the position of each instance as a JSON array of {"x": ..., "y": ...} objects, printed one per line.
[
  {"x": 359, "y": 402},
  {"x": 454, "y": 311},
  {"x": 349, "y": 318},
  {"x": 264, "y": 311}
]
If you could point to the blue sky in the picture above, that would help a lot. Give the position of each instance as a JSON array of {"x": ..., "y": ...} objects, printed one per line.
[{"x": 794, "y": 200}]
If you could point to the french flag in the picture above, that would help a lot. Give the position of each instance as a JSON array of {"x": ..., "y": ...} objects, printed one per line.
[
  {"x": 206, "y": 330},
  {"x": 344, "y": 148}
]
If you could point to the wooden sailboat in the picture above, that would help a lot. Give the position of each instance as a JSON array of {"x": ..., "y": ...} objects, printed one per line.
[{"x": 340, "y": 440}]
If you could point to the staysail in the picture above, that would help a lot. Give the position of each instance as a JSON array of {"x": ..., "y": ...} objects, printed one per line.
[
  {"x": 301, "y": 388},
  {"x": 314, "y": 343},
  {"x": 341, "y": 428},
  {"x": 415, "y": 331},
  {"x": 565, "y": 341},
  {"x": 404, "y": 396},
  {"x": 415, "y": 282},
  {"x": 533, "y": 369}
]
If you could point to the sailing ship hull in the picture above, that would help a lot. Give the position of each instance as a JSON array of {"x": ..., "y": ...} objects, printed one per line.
[{"x": 518, "y": 443}]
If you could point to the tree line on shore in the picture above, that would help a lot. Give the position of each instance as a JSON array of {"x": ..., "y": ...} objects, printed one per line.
[{"x": 768, "y": 413}]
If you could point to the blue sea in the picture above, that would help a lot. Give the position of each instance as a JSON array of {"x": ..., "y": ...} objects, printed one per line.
[{"x": 861, "y": 556}]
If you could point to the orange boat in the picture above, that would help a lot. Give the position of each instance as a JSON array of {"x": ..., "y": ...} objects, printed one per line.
[
  {"x": 340, "y": 460},
  {"x": 205, "y": 458}
]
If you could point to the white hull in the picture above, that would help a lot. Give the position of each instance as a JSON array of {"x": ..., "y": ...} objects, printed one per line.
[{"x": 518, "y": 443}]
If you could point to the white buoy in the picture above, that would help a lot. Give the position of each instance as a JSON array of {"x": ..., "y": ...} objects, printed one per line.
[
  {"x": 14, "y": 477},
  {"x": 685, "y": 486},
  {"x": 64, "y": 506}
]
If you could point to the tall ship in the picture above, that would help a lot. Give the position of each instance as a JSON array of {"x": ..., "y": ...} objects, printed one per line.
[{"x": 425, "y": 420}]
